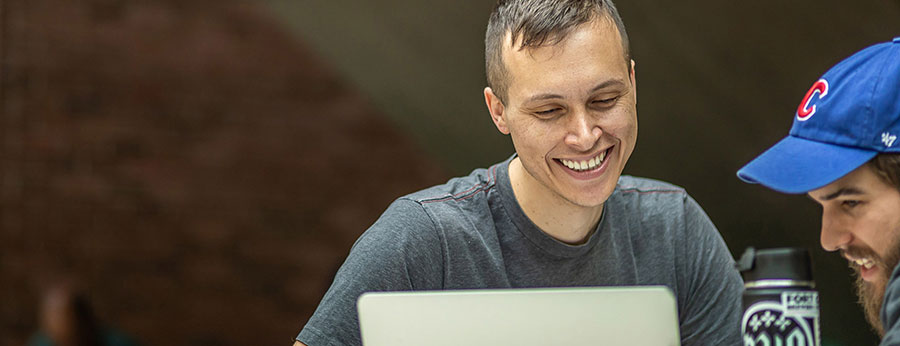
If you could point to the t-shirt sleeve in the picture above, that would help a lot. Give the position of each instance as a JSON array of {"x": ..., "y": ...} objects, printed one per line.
[
  {"x": 890, "y": 311},
  {"x": 711, "y": 311},
  {"x": 399, "y": 252}
]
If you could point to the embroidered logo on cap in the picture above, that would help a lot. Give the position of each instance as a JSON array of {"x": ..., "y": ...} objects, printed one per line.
[
  {"x": 888, "y": 139},
  {"x": 818, "y": 89}
]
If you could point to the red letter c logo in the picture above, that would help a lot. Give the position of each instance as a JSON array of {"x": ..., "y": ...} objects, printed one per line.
[{"x": 804, "y": 111}]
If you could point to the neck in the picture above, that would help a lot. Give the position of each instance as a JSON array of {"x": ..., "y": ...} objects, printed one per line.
[{"x": 553, "y": 214}]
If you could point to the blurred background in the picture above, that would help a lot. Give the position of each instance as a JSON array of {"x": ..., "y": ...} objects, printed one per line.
[{"x": 200, "y": 168}]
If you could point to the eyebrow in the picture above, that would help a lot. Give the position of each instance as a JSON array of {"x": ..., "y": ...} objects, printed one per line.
[
  {"x": 608, "y": 83},
  {"x": 603, "y": 85},
  {"x": 842, "y": 192}
]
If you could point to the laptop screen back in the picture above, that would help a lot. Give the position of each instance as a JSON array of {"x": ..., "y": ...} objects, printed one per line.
[{"x": 633, "y": 316}]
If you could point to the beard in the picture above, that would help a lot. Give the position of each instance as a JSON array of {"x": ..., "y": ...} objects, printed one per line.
[{"x": 871, "y": 294}]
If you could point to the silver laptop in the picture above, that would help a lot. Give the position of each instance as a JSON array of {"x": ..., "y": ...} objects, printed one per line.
[{"x": 609, "y": 316}]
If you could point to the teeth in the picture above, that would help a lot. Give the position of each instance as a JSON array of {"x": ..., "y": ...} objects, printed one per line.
[
  {"x": 865, "y": 263},
  {"x": 585, "y": 165}
]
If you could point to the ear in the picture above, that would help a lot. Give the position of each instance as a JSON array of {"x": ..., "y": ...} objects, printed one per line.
[
  {"x": 496, "y": 108},
  {"x": 633, "y": 81}
]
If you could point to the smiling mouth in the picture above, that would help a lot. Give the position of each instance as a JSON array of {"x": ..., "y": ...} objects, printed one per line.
[
  {"x": 865, "y": 262},
  {"x": 585, "y": 165}
]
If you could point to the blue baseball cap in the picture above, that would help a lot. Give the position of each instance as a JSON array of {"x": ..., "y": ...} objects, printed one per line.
[{"x": 847, "y": 117}]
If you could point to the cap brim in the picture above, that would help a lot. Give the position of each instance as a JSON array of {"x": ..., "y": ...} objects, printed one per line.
[{"x": 797, "y": 165}]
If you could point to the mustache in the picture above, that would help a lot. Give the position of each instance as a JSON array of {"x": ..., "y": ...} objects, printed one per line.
[{"x": 858, "y": 252}]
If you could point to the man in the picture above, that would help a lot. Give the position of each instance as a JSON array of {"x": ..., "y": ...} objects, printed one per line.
[
  {"x": 561, "y": 84},
  {"x": 843, "y": 152}
]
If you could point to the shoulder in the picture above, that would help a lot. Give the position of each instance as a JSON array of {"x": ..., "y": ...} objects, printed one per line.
[
  {"x": 416, "y": 216},
  {"x": 644, "y": 193},
  {"x": 404, "y": 221},
  {"x": 459, "y": 199},
  {"x": 457, "y": 189},
  {"x": 637, "y": 185},
  {"x": 890, "y": 309},
  {"x": 658, "y": 204}
]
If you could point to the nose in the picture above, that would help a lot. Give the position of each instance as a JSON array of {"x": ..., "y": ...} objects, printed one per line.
[
  {"x": 582, "y": 133},
  {"x": 835, "y": 236}
]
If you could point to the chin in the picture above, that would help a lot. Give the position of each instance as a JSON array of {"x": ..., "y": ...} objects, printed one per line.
[
  {"x": 870, "y": 296},
  {"x": 587, "y": 199},
  {"x": 871, "y": 293}
]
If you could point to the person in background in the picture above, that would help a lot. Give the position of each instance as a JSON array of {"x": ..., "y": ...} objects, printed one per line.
[
  {"x": 559, "y": 212},
  {"x": 67, "y": 319},
  {"x": 842, "y": 151}
]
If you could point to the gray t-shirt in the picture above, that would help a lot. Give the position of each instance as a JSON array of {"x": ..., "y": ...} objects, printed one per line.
[
  {"x": 890, "y": 310},
  {"x": 471, "y": 233}
]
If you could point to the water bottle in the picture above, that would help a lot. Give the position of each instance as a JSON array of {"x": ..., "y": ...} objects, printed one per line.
[{"x": 781, "y": 305}]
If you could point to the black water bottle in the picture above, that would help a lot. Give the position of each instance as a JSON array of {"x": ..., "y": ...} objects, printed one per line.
[{"x": 781, "y": 305}]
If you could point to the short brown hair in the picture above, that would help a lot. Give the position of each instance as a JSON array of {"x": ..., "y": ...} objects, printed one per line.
[
  {"x": 887, "y": 167},
  {"x": 538, "y": 23}
]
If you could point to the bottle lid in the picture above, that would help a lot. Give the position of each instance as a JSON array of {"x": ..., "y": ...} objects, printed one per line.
[{"x": 778, "y": 267}]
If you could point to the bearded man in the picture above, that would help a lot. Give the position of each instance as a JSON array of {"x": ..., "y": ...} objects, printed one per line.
[{"x": 843, "y": 152}]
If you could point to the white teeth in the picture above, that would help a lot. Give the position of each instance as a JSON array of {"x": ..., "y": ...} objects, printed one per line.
[
  {"x": 585, "y": 165},
  {"x": 865, "y": 263}
]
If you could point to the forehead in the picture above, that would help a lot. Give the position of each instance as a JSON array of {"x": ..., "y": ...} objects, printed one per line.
[
  {"x": 862, "y": 180},
  {"x": 590, "y": 52}
]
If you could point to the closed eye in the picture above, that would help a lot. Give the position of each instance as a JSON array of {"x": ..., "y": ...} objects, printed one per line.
[
  {"x": 849, "y": 203},
  {"x": 604, "y": 102},
  {"x": 547, "y": 112}
]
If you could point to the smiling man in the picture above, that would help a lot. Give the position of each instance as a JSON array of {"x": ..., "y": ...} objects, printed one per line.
[
  {"x": 843, "y": 152},
  {"x": 558, "y": 212}
]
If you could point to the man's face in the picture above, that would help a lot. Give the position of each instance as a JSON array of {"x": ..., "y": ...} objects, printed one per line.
[
  {"x": 861, "y": 219},
  {"x": 570, "y": 111}
]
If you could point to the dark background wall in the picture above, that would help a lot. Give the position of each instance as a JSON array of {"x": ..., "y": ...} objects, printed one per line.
[
  {"x": 203, "y": 166},
  {"x": 198, "y": 170}
]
